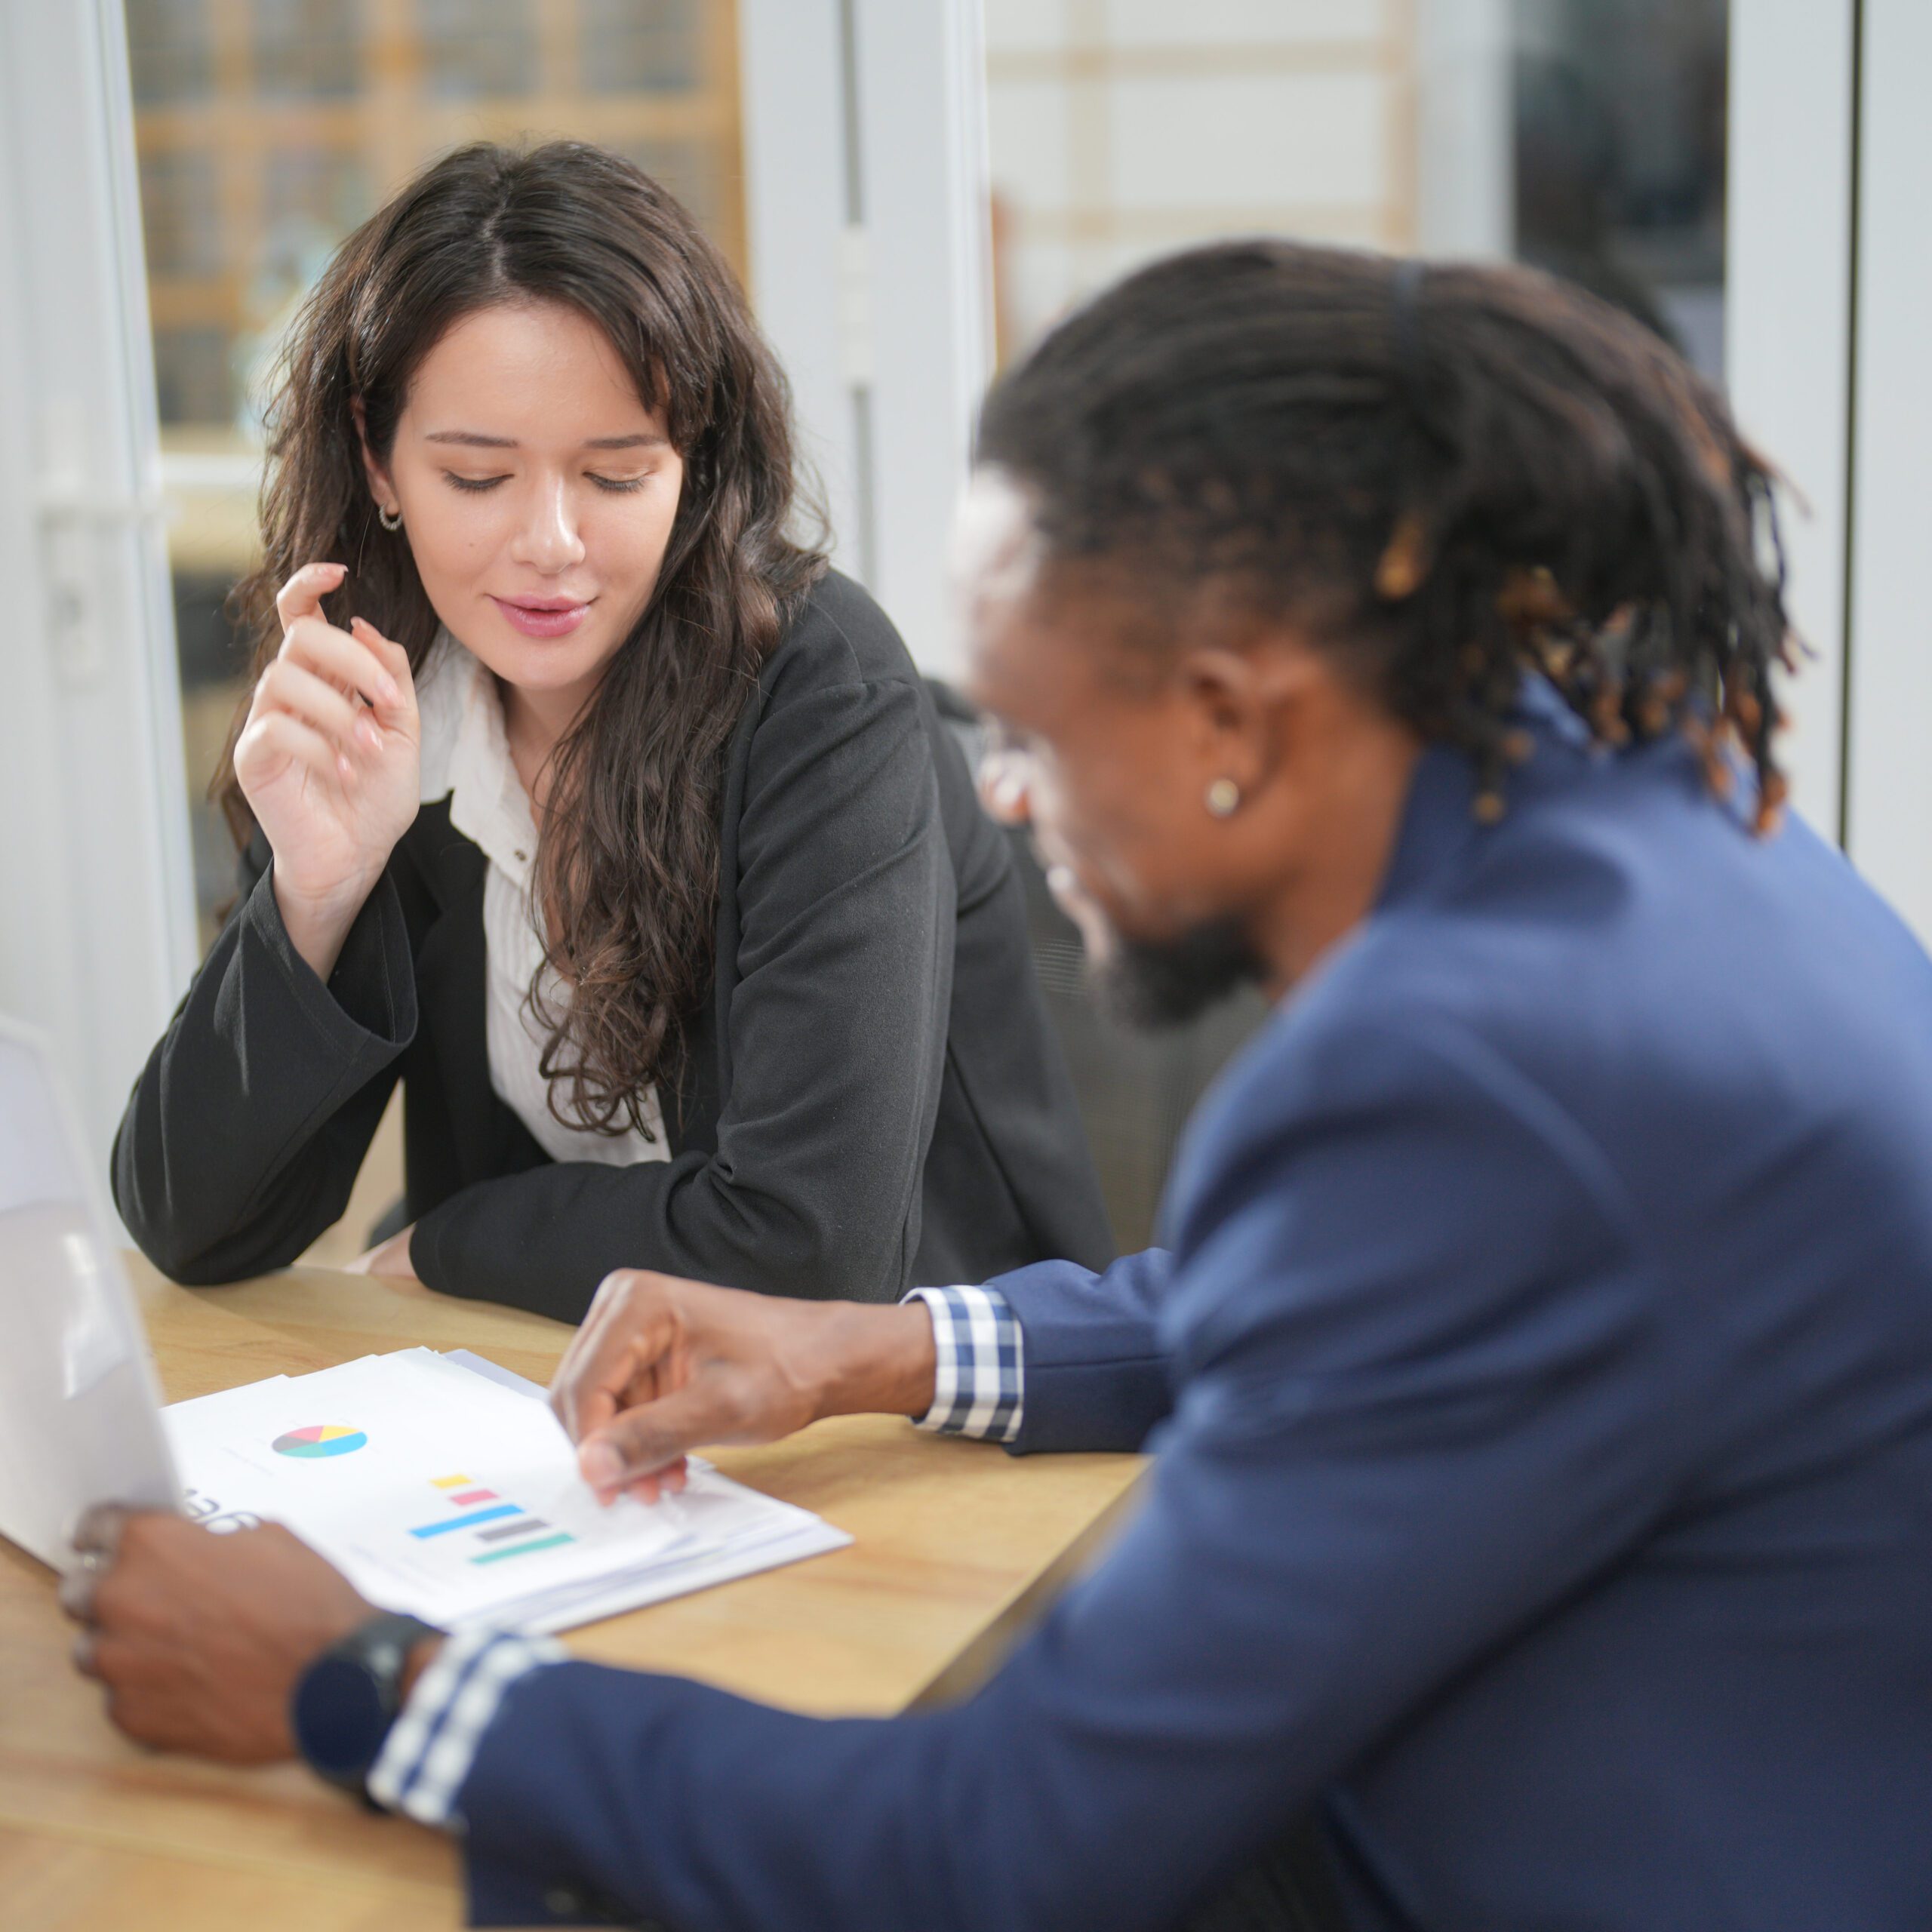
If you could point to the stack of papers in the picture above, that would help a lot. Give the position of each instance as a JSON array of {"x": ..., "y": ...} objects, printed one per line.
[{"x": 444, "y": 1487}]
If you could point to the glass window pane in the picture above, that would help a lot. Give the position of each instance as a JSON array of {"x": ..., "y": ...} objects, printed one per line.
[
  {"x": 171, "y": 51},
  {"x": 179, "y": 216},
  {"x": 191, "y": 373},
  {"x": 1620, "y": 156},
  {"x": 1587, "y": 136},
  {"x": 626, "y": 46},
  {"x": 307, "y": 48},
  {"x": 477, "y": 47}
]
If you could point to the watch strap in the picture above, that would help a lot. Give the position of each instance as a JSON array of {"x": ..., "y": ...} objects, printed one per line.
[{"x": 380, "y": 1650}]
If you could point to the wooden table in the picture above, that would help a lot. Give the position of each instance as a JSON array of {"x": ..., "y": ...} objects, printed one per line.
[{"x": 957, "y": 1547}]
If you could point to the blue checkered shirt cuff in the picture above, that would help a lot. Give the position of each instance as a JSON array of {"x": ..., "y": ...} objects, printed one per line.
[
  {"x": 436, "y": 1736},
  {"x": 979, "y": 1383}
]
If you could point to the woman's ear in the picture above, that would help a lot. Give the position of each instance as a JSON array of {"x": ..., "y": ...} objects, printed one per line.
[{"x": 380, "y": 488}]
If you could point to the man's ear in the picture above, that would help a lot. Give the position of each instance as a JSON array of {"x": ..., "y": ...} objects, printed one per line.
[
  {"x": 380, "y": 488},
  {"x": 1244, "y": 698}
]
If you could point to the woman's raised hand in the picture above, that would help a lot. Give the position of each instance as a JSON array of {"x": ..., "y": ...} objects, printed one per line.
[{"x": 330, "y": 763}]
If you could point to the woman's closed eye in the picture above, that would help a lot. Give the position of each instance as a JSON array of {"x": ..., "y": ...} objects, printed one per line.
[{"x": 617, "y": 485}]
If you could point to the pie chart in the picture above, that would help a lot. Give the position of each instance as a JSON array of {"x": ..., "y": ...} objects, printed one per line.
[{"x": 321, "y": 1438}]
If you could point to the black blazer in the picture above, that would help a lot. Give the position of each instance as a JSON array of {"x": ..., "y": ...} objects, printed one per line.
[{"x": 872, "y": 1098}]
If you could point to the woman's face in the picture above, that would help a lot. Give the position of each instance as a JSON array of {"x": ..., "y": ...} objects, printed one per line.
[{"x": 537, "y": 494}]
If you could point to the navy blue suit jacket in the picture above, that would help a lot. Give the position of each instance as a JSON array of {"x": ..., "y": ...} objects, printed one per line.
[{"x": 1542, "y": 1363}]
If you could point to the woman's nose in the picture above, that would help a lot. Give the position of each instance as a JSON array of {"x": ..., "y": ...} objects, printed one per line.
[{"x": 548, "y": 541}]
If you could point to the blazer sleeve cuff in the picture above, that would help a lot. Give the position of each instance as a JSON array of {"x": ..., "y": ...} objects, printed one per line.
[
  {"x": 1095, "y": 1374},
  {"x": 367, "y": 1009},
  {"x": 432, "y": 1239}
]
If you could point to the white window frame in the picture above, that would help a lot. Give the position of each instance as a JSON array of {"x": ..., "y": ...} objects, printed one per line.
[
  {"x": 1788, "y": 303},
  {"x": 97, "y": 935},
  {"x": 1888, "y": 790},
  {"x": 867, "y": 205},
  {"x": 1829, "y": 283}
]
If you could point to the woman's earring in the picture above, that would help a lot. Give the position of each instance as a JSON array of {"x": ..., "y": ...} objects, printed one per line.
[
  {"x": 1223, "y": 798},
  {"x": 390, "y": 519}
]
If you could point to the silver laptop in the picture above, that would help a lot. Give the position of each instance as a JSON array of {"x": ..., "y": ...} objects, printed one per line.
[{"x": 80, "y": 1410}]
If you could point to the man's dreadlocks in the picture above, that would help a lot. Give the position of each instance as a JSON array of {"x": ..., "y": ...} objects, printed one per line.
[{"x": 1446, "y": 474}]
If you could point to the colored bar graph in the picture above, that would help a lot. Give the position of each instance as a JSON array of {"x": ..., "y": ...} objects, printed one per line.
[
  {"x": 528, "y": 1526},
  {"x": 469, "y": 1521},
  {"x": 525, "y": 1548},
  {"x": 521, "y": 1534}
]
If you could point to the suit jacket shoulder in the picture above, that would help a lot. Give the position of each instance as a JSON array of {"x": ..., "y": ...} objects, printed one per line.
[{"x": 839, "y": 635}]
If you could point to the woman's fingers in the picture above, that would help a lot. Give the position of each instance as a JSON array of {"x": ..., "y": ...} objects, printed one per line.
[
  {"x": 359, "y": 659},
  {"x": 302, "y": 596},
  {"x": 286, "y": 685},
  {"x": 271, "y": 734},
  {"x": 348, "y": 662},
  {"x": 394, "y": 658}
]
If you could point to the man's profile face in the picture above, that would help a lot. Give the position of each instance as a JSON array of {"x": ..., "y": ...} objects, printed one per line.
[{"x": 1096, "y": 748}]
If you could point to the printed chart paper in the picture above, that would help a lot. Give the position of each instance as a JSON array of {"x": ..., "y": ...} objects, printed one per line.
[{"x": 444, "y": 1492}]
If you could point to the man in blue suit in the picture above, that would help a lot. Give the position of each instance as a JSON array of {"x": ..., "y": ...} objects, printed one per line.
[{"x": 1540, "y": 1364}]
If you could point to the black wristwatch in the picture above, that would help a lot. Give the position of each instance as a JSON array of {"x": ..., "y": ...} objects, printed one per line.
[{"x": 343, "y": 1704}]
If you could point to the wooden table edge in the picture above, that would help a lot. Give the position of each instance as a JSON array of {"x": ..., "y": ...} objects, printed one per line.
[{"x": 976, "y": 1663}]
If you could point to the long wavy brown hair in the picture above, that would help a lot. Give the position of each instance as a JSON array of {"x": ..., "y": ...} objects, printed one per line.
[{"x": 625, "y": 877}]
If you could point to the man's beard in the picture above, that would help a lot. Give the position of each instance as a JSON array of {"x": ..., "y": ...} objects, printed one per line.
[{"x": 1150, "y": 983}]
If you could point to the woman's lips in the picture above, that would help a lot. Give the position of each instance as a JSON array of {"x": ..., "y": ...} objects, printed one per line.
[{"x": 542, "y": 620}]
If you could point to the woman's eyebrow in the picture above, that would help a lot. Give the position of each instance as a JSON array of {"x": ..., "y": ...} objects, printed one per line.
[{"x": 475, "y": 439}]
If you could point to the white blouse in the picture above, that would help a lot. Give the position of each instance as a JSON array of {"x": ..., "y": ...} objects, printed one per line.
[{"x": 466, "y": 759}]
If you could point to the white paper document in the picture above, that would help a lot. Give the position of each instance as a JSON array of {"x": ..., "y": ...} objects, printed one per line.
[
  {"x": 449, "y": 1490},
  {"x": 79, "y": 1408}
]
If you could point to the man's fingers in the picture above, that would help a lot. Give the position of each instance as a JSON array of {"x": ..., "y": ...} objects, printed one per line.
[
  {"x": 105, "y": 1658},
  {"x": 670, "y": 1481},
  {"x": 302, "y": 596},
  {"x": 75, "y": 1595},
  {"x": 644, "y": 1441},
  {"x": 631, "y": 1327},
  {"x": 98, "y": 1532}
]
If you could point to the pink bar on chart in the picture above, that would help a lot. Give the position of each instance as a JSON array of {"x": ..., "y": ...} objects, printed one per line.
[{"x": 469, "y": 1496}]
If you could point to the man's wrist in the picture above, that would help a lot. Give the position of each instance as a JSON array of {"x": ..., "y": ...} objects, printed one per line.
[
  {"x": 343, "y": 1704},
  {"x": 881, "y": 1361}
]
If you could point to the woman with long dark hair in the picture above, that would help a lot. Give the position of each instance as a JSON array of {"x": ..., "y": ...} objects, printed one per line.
[{"x": 577, "y": 793}]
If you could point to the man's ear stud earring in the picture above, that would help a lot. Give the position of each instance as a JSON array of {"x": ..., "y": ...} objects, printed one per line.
[{"x": 1223, "y": 798}]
